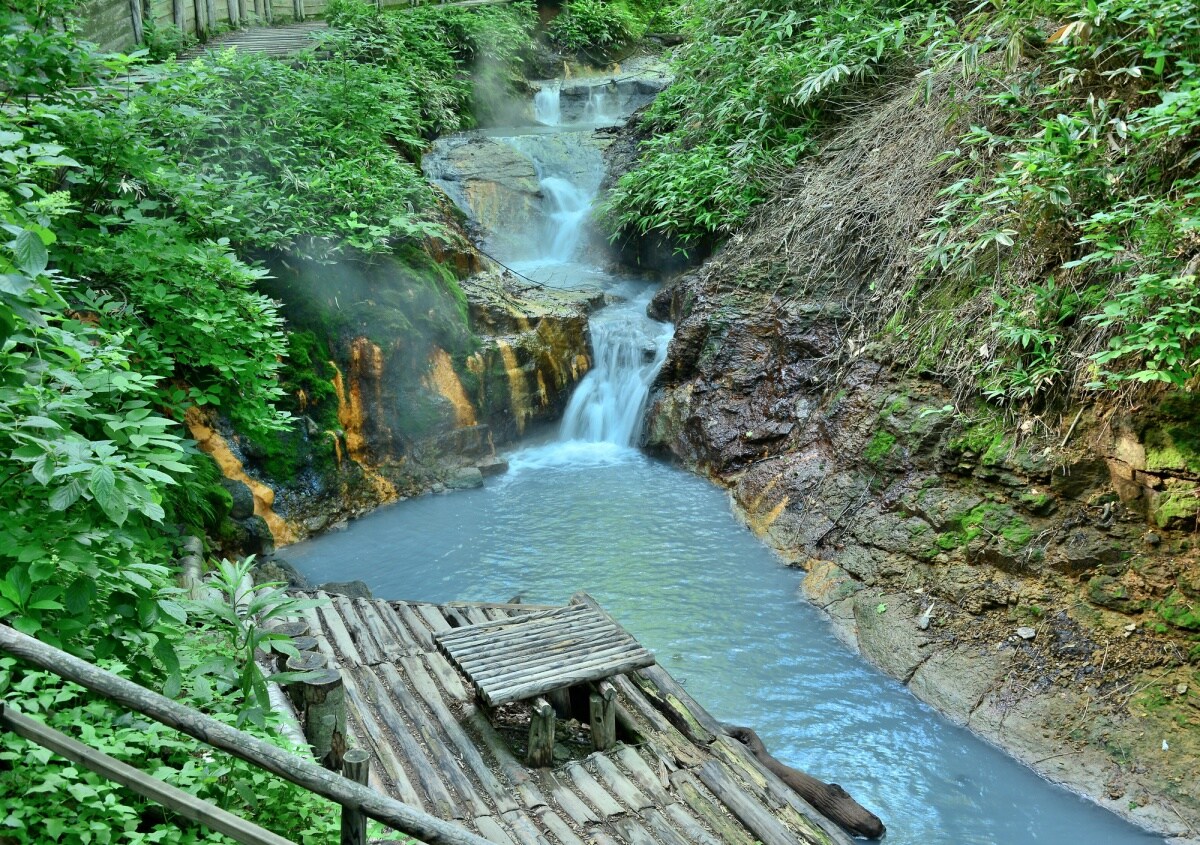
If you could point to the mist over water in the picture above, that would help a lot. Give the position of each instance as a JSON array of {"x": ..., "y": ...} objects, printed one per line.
[{"x": 660, "y": 549}]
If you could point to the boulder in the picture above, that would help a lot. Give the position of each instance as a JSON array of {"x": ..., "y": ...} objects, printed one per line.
[{"x": 243, "y": 498}]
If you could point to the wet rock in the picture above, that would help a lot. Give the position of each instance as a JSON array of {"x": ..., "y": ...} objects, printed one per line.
[
  {"x": 258, "y": 538},
  {"x": 279, "y": 570},
  {"x": 315, "y": 524},
  {"x": 1151, "y": 538},
  {"x": 1107, "y": 591},
  {"x": 896, "y": 648},
  {"x": 1082, "y": 549},
  {"x": 243, "y": 498},
  {"x": 942, "y": 507},
  {"x": 954, "y": 680},
  {"x": 492, "y": 466},
  {"x": 1074, "y": 481},
  {"x": 192, "y": 545},
  {"x": 352, "y": 589},
  {"x": 465, "y": 479},
  {"x": 1026, "y": 633}
]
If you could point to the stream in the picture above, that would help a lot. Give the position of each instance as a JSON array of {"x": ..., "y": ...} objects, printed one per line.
[{"x": 660, "y": 549}]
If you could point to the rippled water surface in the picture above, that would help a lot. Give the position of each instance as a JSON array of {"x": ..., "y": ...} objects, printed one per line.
[{"x": 660, "y": 549}]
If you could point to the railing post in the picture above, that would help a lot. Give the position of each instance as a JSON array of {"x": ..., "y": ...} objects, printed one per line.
[{"x": 356, "y": 765}]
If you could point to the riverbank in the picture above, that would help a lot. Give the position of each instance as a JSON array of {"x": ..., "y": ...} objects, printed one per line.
[{"x": 1025, "y": 576}]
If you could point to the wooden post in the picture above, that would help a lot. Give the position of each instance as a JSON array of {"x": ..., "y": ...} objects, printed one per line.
[
  {"x": 298, "y": 628},
  {"x": 603, "y": 706},
  {"x": 541, "y": 735},
  {"x": 305, "y": 661},
  {"x": 190, "y": 576},
  {"x": 135, "y": 14},
  {"x": 232, "y": 7},
  {"x": 324, "y": 708},
  {"x": 177, "y": 15},
  {"x": 356, "y": 765},
  {"x": 560, "y": 700},
  {"x": 298, "y": 10}
]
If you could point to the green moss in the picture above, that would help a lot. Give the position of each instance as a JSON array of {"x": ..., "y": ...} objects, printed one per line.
[
  {"x": 879, "y": 447},
  {"x": 997, "y": 521},
  {"x": 1176, "y": 506},
  {"x": 1038, "y": 503},
  {"x": 997, "y": 452},
  {"x": 1178, "y": 611},
  {"x": 950, "y": 540}
]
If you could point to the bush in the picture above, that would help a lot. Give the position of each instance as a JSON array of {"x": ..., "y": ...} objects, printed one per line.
[{"x": 586, "y": 24}]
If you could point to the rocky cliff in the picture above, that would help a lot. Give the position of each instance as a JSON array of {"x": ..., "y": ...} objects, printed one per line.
[{"x": 1034, "y": 577}]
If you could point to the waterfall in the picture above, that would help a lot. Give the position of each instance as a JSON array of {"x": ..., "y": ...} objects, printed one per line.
[
  {"x": 600, "y": 107},
  {"x": 569, "y": 209},
  {"x": 547, "y": 108},
  {"x": 629, "y": 350}
]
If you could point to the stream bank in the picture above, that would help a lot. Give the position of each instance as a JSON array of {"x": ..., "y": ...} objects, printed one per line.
[{"x": 1034, "y": 580}]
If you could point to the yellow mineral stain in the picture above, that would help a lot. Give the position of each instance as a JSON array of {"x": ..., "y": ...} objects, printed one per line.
[
  {"x": 580, "y": 367},
  {"x": 445, "y": 381},
  {"x": 337, "y": 447},
  {"x": 518, "y": 390},
  {"x": 213, "y": 444},
  {"x": 755, "y": 504},
  {"x": 366, "y": 362},
  {"x": 543, "y": 394}
]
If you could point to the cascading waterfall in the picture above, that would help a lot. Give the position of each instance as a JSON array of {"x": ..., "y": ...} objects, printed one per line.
[
  {"x": 570, "y": 205},
  {"x": 629, "y": 350},
  {"x": 547, "y": 108}
]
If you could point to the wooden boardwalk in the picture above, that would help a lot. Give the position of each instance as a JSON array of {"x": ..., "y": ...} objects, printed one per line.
[{"x": 674, "y": 778}]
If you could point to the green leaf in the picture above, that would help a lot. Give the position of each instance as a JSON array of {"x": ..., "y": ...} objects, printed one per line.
[
  {"x": 30, "y": 253},
  {"x": 67, "y": 495}
]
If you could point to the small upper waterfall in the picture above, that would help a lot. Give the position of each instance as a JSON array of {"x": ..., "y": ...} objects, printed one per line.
[
  {"x": 629, "y": 350},
  {"x": 547, "y": 108},
  {"x": 570, "y": 205}
]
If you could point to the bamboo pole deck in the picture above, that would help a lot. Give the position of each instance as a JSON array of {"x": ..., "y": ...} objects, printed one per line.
[{"x": 672, "y": 777}]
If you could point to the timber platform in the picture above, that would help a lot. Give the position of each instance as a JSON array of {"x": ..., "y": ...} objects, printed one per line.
[{"x": 670, "y": 775}]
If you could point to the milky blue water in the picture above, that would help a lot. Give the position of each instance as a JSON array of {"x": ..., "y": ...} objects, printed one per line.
[{"x": 660, "y": 549}]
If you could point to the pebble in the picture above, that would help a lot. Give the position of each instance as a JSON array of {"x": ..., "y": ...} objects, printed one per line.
[
  {"x": 1181, "y": 689},
  {"x": 1151, "y": 539},
  {"x": 1026, "y": 633}
]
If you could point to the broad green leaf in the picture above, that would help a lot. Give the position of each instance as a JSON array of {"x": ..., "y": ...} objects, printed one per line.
[{"x": 30, "y": 253}]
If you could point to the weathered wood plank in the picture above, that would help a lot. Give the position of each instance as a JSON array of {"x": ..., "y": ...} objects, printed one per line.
[
  {"x": 602, "y": 716},
  {"x": 554, "y": 614},
  {"x": 663, "y": 830},
  {"x": 356, "y": 765},
  {"x": 304, "y": 773},
  {"x": 632, "y": 832},
  {"x": 489, "y": 827},
  {"x": 466, "y": 748},
  {"x": 338, "y": 635},
  {"x": 446, "y": 676},
  {"x": 433, "y": 617},
  {"x": 369, "y": 650},
  {"x": 591, "y": 671},
  {"x": 765, "y": 827},
  {"x": 570, "y": 803},
  {"x": 187, "y": 805},
  {"x": 502, "y": 659},
  {"x": 618, "y": 784},
  {"x": 443, "y": 759},
  {"x": 692, "y": 829},
  {"x": 436, "y": 793},
  {"x": 641, "y": 774},
  {"x": 510, "y": 766},
  {"x": 702, "y": 726},
  {"x": 591, "y": 790},
  {"x": 375, "y": 736},
  {"x": 404, "y": 637},
  {"x": 561, "y": 830},
  {"x": 524, "y": 830},
  {"x": 416, "y": 624},
  {"x": 697, "y": 798},
  {"x": 385, "y": 641},
  {"x": 516, "y": 629}
]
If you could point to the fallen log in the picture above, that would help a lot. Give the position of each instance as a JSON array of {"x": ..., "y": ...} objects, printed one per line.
[{"x": 828, "y": 798}]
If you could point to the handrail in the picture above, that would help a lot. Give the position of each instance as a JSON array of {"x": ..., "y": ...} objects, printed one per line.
[
  {"x": 399, "y": 816},
  {"x": 173, "y": 798}
]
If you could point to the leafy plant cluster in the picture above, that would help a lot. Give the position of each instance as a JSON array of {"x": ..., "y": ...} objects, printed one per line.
[
  {"x": 130, "y": 218},
  {"x": 599, "y": 25},
  {"x": 753, "y": 86},
  {"x": 1091, "y": 159}
]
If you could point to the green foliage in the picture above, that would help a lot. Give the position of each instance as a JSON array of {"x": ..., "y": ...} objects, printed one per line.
[
  {"x": 594, "y": 23},
  {"x": 879, "y": 447},
  {"x": 164, "y": 40},
  {"x": 241, "y": 616},
  {"x": 753, "y": 86},
  {"x": 1090, "y": 157},
  {"x": 48, "y": 799}
]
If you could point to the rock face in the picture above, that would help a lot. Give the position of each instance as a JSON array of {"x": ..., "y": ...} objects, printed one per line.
[{"x": 1009, "y": 581}]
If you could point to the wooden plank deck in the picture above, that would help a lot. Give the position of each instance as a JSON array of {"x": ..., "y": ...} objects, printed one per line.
[
  {"x": 673, "y": 778},
  {"x": 519, "y": 657}
]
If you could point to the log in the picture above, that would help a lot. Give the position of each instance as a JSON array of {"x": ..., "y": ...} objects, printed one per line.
[
  {"x": 829, "y": 799},
  {"x": 356, "y": 765},
  {"x": 594, "y": 792},
  {"x": 688, "y": 788},
  {"x": 590, "y": 670},
  {"x": 430, "y": 830},
  {"x": 323, "y": 705},
  {"x": 602, "y": 705},
  {"x": 135, "y": 15},
  {"x": 541, "y": 735},
  {"x": 618, "y": 784},
  {"x": 758, "y": 820}
]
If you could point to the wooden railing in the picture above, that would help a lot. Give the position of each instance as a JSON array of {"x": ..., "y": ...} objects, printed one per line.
[{"x": 358, "y": 801}]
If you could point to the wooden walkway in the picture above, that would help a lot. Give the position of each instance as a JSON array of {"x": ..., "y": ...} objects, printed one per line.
[{"x": 674, "y": 778}]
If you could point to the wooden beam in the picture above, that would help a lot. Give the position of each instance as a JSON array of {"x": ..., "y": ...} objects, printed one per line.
[
  {"x": 603, "y": 716},
  {"x": 309, "y": 775},
  {"x": 176, "y": 800},
  {"x": 541, "y": 735}
]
